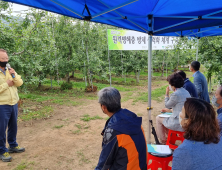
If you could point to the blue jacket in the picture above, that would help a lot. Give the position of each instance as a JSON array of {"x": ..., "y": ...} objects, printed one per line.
[
  {"x": 200, "y": 83},
  {"x": 193, "y": 155},
  {"x": 124, "y": 144},
  {"x": 189, "y": 86},
  {"x": 219, "y": 111}
]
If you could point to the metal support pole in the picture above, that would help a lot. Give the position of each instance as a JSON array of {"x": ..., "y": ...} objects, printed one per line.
[
  {"x": 197, "y": 50},
  {"x": 110, "y": 78},
  {"x": 149, "y": 85},
  {"x": 166, "y": 65},
  {"x": 122, "y": 62}
]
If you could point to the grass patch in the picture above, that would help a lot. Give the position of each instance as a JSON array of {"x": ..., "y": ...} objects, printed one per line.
[
  {"x": 76, "y": 131},
  {"x": 159, "y": 83},
  {"x": 58, "y": 127},
  {"x": 78, "y": 126},
  {"x": 58, "y": 101},
  {"x": 45, "y": 112},
  {"x": 90, "y": 96},
  {"x": 23, "y": 165},
  {"x": 82, "y": 158},
  {"x": 85, "y": 126},
  {"x": 87, "y": 118},
  {"x": 125, "y": 88},
  {"x": 75, "y": 103},
  {"x": 127, "y": 97},
  {"x": 36, "y": 97},
  {"x": 157, "y": 94}
]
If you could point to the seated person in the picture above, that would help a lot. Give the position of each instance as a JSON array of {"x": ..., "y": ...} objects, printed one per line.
[
  {"x": 202, "y": 147},
  {"x": 217, "y": 101},
  {"x": 188, "y": 85},
  {"x": 124, "y": 144},
  {"x": 176, "y": 102}
]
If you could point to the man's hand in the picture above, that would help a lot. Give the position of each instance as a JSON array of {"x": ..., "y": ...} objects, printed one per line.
[
  {"x": 12, "y": 71},
  {"x": 10, "y": 83}
]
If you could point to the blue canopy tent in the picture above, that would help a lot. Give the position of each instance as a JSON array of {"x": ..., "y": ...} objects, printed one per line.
[
  {"x": 197, "y": 18},
  {"x": 155, "y": 17}
]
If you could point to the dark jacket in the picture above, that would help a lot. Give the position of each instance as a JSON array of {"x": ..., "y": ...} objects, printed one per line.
[
  {"x": 200, "y": 83},
  {"x": 189, "y": 86},
  {"x": 219, "y": 111},
  {"x": 124, "y": 144}
]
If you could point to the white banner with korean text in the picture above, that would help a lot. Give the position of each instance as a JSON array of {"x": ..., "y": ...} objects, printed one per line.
[{"x": 133, "y": 40}]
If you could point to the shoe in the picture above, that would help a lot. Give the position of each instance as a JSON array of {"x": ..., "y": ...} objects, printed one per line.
[
  {"x": 6, "y": 157},
  {"x": 16, "y": 150}
]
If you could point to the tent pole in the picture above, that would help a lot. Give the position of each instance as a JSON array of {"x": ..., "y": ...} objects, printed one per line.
[
  {"x": 197, "y": 50},
  {"x": 166, "y": 66},
  {"x": 110, "y": 78},
  {"x": 149, "y": 85}
]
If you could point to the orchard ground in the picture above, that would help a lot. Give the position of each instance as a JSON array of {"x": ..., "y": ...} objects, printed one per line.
[{"x": 61, "y": 130}]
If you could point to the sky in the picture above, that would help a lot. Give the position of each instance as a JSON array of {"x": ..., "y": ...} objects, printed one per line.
[{"x": 17, "y": 7}]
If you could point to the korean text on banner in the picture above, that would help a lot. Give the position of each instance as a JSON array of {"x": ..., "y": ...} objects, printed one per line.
[{"x": 133, "y": 40}]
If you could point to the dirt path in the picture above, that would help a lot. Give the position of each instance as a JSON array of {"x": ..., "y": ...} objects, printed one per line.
[{"x": 64, "y": 141}]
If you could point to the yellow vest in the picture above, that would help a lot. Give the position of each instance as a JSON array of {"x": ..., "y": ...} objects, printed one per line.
[{"x": 9, "y": 95}]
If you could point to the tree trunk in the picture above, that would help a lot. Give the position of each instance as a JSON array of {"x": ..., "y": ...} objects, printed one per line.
[
  {"x": 67, "y": 78},
  {"x": 137, "y": 74},
  {"x": 88, "y": 69},
  {"x": 125, "y": 76},
  {"x": 85, "y": 74},
  {"x": 40, "y": 84},
  {"x": 163, "y": 65},
  {"x": 69, "y": 56},
  {"x": 178, "y": 60},
  {"x": 51, "y": 81},
  {"x": 73, "y": 74},
  {"x": 166, "y": 70}
]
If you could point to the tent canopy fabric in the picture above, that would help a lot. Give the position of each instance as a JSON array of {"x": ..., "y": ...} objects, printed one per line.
[{"x": 197, "y": 18}]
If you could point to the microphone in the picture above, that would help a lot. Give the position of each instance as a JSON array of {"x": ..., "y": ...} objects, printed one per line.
[{"x": 9, "y": 67}]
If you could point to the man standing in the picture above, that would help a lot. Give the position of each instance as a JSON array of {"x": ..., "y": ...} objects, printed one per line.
[
  {"x": 124, "y": 144},
  {"x": 217, "y": 101},
  {"x": 200, "y": 81},
  {"x": 8, "y": 108},
  {"x": 188, "y": 85}
]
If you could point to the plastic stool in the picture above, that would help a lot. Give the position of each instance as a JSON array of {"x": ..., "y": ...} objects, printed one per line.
[
  {"x": 159, "y": 161},
  {"x": 173, "y": 136}
]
